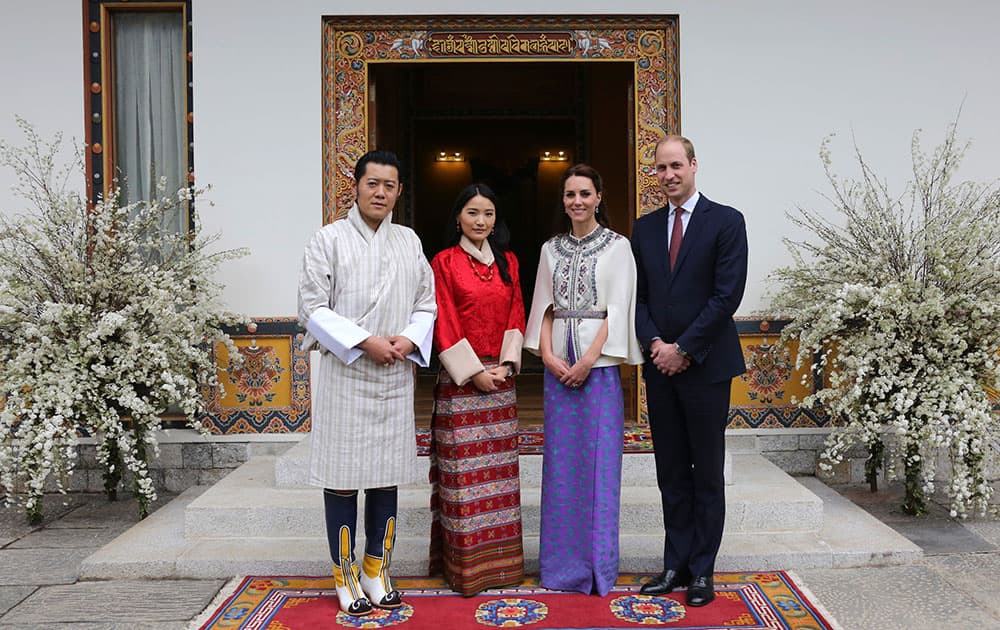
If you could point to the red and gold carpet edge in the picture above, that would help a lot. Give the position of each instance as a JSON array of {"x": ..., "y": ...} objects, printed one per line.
[{"x": 750, "y": 601}]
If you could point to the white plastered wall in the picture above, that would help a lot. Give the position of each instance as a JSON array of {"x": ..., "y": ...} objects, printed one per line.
[{"x": 761, "y": 85}]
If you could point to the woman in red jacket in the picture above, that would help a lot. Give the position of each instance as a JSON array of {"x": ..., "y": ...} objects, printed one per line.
[{"x": 476, "y": 497}]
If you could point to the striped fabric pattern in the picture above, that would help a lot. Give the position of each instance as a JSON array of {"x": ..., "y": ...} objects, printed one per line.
[
  {"x": 363, "y": 432},
  {"x": 476, "y": 492}
]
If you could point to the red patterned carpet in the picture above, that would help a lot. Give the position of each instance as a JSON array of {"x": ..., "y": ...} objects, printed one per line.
[{"x": 752, "y": 601}]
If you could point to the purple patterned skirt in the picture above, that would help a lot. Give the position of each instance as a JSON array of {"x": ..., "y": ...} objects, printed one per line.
[{"x": 581, "y": 483}]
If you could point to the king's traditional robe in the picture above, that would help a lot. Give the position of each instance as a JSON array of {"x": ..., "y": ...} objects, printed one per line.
[{"x": 357, "y": 282}]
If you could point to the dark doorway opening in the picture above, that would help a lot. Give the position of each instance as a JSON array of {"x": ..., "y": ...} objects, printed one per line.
[{"x": 502, "y": 118}]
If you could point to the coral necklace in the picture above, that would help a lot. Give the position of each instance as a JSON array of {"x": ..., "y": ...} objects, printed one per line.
[{"x": 489, "y": 270}]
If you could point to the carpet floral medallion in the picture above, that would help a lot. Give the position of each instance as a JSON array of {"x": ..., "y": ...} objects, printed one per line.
[{"x": 749, "y": 601}]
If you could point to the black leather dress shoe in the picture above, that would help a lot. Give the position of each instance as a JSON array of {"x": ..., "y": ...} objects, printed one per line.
[
  {"x": 664, "y": 583},
  {"x": 701, "y": 591}
]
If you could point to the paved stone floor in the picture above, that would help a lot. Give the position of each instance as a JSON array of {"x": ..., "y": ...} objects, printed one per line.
[{"x": 954, "y": 586}]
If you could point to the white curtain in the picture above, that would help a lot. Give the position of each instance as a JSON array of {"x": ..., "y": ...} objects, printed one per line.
[{"x": 149, "y": 107}]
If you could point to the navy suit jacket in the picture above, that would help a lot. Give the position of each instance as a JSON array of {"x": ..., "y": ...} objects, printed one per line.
[{"x": 693, "y": 305}]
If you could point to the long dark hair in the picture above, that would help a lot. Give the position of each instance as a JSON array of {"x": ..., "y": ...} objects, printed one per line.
[
  {"x": 499, "y": 240},
  {"x": 565, "y": 224}
]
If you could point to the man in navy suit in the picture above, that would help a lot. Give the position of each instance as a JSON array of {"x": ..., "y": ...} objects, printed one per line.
[{"x": 691, "y": 257}]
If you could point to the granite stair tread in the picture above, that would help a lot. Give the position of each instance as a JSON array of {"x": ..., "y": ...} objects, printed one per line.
[{"x": 248, "y": 524}]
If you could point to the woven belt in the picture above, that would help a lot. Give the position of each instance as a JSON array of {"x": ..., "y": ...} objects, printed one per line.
[{"x": 568, "y": 314}]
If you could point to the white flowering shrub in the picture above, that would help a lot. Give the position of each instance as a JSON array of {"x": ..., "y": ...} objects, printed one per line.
[
  {"x": 899, "y": 296},
  {"x": 105, "y": 322}
]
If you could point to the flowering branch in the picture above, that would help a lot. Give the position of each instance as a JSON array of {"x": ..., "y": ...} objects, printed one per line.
[
  {"x": 900, "y": 298},
  {"x": 105, "y": 323}
]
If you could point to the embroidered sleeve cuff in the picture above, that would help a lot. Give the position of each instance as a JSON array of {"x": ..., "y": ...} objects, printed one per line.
[
  {"x": 510, "y": 349},
  {"x": 461, "y": 362}
]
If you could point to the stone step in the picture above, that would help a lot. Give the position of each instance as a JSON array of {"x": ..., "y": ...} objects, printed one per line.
[
  {"x": 246, "y": 503},
  {"x": 158, "y": 548},
  {"x": 638, "y": 553},
  {"x": 291, "y": 468}
]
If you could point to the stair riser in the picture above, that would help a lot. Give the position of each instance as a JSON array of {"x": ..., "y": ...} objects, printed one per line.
[
  {"x": 640, "y": 518},
  {"x": 637, "y": 554},
  {"x": 638, "y": 470}
]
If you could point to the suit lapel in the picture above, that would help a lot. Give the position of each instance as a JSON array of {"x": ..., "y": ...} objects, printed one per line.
[{"x": 696, "y": 226}]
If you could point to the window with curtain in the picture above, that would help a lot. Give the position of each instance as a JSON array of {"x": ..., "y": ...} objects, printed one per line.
[{"x": 149, "y": 90}]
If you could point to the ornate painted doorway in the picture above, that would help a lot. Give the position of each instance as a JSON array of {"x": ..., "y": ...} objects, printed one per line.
[{"x": 372, "y": 65}]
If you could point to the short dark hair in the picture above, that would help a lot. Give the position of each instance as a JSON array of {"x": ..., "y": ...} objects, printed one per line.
[
  {"x": 378, "y": 156},
  {"x": 564, "y": 223}
]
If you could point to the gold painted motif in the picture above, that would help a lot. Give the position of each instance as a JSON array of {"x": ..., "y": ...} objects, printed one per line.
[
  {"x": 771, "y": 378},
  {"x": 262, "y": 379}
]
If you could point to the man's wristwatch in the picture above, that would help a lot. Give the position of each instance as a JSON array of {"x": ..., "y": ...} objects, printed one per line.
[
  {"x": 681, "y": 351},
  {"x": 510, "y": 368}
]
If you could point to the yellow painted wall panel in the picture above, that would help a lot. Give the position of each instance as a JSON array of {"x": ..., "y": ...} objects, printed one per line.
[{"x": 263, "y": 380}]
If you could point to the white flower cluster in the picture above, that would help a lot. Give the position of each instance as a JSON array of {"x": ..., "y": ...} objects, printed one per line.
[
  {"x": 900, "y": 300},
  {"x": 105, "y": 322}
]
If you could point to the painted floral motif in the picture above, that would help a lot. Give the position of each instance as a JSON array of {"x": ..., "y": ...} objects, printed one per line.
[
  {"x": 769, "y": 366},
  {"x": 256, "y": 376},
  {"x": 286, "y": 406}
]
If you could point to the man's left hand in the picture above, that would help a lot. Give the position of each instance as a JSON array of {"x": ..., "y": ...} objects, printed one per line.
[
  {"x": 402, "y": 344},
  {"x": 668, "y": 360}
]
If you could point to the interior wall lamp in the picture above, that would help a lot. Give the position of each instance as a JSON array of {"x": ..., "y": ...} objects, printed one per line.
[
  {"x": 449, "y": 156},
  {"x": 553, "y": 156}
]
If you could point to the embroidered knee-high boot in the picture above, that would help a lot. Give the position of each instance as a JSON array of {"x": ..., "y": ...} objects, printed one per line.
[
  {"x": 380, "y": 535},
  {"x": 341, "y": 521}
]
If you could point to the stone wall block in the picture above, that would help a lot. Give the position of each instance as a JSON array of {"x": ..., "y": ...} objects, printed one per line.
[
  {"x": 778, "y": 443},
  {"x": 180, "y": 479},
  {"x": 812, "y": 442},
  {"x": 839, "y": 473},
  {"x": 210, "y": 476},
  {"x": 95, "y": 480},
  {"x": 793, "y": 462},
  {"x": 228, "y": 455},
  {"x": 171, "y": 456},
  {"x": 197, "y": 455}
]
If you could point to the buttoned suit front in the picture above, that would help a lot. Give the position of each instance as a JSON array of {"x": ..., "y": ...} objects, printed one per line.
[{"x": 691, "y": 305}]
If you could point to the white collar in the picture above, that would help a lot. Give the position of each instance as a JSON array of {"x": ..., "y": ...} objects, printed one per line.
[
  {"x": 689, "y": 204},
  {"x": 484, "y": 255},
  {"x": 355, "y": 218}
]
